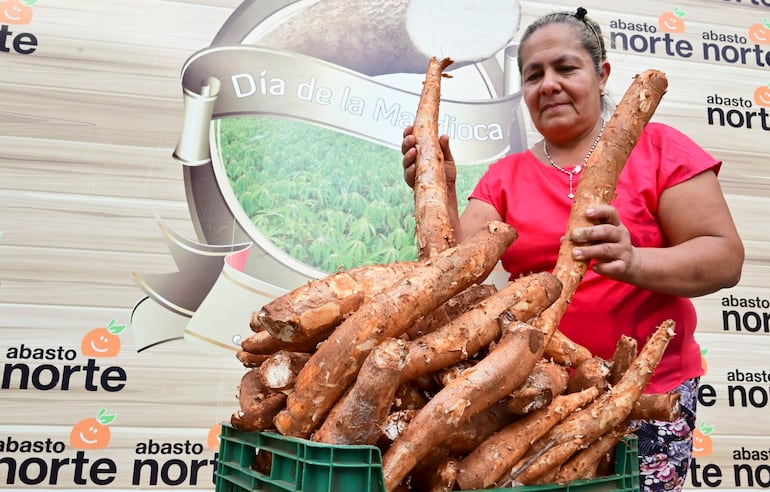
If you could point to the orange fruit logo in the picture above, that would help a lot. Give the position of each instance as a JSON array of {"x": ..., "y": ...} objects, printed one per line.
[
  {"x": 702, "y": 444},
  {"x": 16, "y": 11},
  {"x": 212, "y": 440},
  {"x": 762, "y": 95},
  {"x": 102, "y": 342},
  {"x": 704, "y": 364},
  {"x": 760, "y": 33},
  {"x": 672, "y": 21},
  {"x": 93, "y": 432}
]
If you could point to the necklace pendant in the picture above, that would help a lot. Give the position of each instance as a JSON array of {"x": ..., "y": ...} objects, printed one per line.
[
  {"x": 577, "y": 168},
  {"x": 570, "y": 195}
]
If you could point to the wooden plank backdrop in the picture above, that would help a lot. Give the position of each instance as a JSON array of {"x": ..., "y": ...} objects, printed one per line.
[{"x": 88, "y": 125}]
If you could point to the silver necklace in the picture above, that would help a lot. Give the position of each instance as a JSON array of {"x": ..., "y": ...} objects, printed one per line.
[{"x": 578, "y": 167}]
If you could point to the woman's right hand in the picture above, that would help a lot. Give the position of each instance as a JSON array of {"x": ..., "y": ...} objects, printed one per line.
[{"x": 409, "y": 152}]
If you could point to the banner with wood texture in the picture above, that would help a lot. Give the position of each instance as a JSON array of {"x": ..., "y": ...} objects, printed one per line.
[{"x": 168, "y": 167}]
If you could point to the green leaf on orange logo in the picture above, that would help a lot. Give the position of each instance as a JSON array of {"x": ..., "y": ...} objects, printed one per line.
[
  {"x": 105, "y": 418},
  {"x": 766, "y": 23},
  {"x": 679, "y": 12},
  {"x": 703, "y": 352},
  {"x": 28, "y": 2},
  {"x": 114, "y": 328},
  {"x": 706, "y": 429}
]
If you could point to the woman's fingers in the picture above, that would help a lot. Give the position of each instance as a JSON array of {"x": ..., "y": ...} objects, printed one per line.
[
  {"x": 408, "y": 143},
  {"x": 410, "y": 173},
  {"x": 607, "y": 244},
  {"x": 409, "y": 152},
  {"x": 608, "y": 227},
  {"x": 443, "y": 141},
  {"x": 603, "y": 214},
  {"x": 603, "y": 252},
  {"x": 410, "y": 155},
  {"x": 408, "y": 146},
  {"x": 601, "y": 233}
]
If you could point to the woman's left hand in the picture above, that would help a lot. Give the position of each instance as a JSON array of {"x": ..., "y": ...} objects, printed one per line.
[{"x": 608, "y": 243}]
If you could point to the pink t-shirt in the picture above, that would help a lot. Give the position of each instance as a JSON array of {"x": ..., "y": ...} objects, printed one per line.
[{"x": 532, "y": 197}]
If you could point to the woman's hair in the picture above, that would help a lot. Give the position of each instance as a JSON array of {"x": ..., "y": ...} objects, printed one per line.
[{"x": 589, "y": 31}]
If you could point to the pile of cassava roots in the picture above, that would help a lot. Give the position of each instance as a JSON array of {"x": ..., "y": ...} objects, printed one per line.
[{"x": 462, "y": 385}]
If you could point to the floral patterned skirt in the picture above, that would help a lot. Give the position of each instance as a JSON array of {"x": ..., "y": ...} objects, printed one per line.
[{"x": 665, "y": 448}]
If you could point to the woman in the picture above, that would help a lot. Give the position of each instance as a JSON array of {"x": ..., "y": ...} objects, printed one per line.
[{"x": 666, "y": 237}]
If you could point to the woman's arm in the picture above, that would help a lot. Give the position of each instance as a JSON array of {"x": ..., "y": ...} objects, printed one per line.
[{"x": 474, "y": 217}]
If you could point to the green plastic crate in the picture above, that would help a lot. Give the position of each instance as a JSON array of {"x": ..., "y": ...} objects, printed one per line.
[
  {"x": 297, "y": 464},
  {"x": 300, "y": 465}
]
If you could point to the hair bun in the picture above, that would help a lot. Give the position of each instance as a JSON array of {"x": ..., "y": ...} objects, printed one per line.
[{"x": 581, "y": 13}]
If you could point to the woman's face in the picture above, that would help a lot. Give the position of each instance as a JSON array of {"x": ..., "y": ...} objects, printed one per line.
[{"x": 560, "y": 85}]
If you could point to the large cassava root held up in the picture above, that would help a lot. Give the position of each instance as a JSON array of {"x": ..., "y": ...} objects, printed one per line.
[
  {"x": 597, "y": 185},
  {"x": 433, "y": 230}
]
